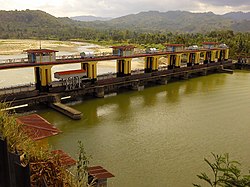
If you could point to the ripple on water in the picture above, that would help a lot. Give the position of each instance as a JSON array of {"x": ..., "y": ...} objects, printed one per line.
[{"x": 159, "y": 136}]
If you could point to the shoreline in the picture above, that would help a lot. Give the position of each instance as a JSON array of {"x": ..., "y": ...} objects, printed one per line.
[
  {"x": 13, "y": 48},
  {"x": 17, "y": 46}
]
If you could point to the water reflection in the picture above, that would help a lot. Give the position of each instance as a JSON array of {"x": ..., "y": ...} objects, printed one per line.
[
  {"x": 149, "y": 97},
  {"x": 172, "y": 93},
  {"x": 120, "y": 107},
  {"x": 213, "y": 82},
  {"x": 153, "y": 133}
]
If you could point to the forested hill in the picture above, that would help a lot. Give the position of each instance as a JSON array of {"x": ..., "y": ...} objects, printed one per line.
[
  {"x": 180, "y": 21},
  {"x": 237, "y": 15},
  {"x": 39, "y": 24},
  {"x": 33, "y": 23}
]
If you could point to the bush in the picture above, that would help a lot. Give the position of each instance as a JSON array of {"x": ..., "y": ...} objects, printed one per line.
[{"x": 225, "y": 173}]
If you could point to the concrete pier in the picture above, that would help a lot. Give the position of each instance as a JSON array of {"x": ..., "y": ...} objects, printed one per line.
[
  {"x": 204, "y": 72},
  {"x": 243, "y": 66},
  {"x": 186, "y": 75},
  {"x": 136, "y": 86},
  {"x": 163, "y": 81},
  {"x": 99, "y": 92},
  {"x": 66, "y": 110},
  {"x": 227, "y": 71},
  {"x": 110, "y": 85}
]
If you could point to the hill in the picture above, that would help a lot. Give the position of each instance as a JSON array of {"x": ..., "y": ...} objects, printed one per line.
[
  {"x": 238, "y": 16},
  {"x": 243, "y": 26},
  {"x": 175, "y": 21},
  {"x": 39, "y": 24}
]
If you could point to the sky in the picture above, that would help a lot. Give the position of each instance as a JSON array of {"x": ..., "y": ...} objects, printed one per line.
[{"x": 117, "y": 8}]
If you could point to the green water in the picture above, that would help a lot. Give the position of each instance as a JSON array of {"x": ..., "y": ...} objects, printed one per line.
[{"x": 159, "y": 136}]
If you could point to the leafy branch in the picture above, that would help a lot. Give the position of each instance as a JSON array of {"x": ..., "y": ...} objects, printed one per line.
[{"x": 226, "y": 173}]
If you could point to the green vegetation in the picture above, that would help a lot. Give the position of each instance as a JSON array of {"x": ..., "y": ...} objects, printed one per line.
[
  {"x": 42, "y": 163},
  {"x": 44, "y": 166},
  {"x": 17, "y": 139},
  {"x": 82, "y": 166},
  {"x": 239, "y": 43},
  {"x": 224, "y": 173},
  {"x": 143, "y": 29}
]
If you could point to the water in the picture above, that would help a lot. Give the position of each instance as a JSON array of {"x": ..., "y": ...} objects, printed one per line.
[{"x": 159, "y": 136}]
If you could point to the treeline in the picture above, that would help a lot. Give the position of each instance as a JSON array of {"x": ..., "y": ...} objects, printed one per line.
[
  {"x": 238, "y": 42},
  {"x": 35, "y": 24}
]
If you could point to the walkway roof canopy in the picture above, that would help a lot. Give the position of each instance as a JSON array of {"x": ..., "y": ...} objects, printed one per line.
[
  {"x": 174, "y": 45},
  {"x": 36, "y": 127},
  {"x": 99, "y": 172},
  {"x": 124, "y": 47},
  {"x": 210, "y": 43},
  {"x": 40, "y": 51}
]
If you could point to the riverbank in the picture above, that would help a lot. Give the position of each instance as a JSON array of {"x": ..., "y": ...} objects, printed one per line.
[
  {"x": 16, "y": 46},
  {"x": 10, "y": 49}
]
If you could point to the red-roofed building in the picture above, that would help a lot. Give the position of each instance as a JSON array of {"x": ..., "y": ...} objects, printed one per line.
[
  {"x": 209, "y": 45},
  {"x": 41, "y": 55},
  {"x": 174, "y": 47},
  {"x": 100, "y": 175},
  {"x": 37, "y": 128},
  {"x": 124, "y": 50},
  {"x": 70, "y": 73},
  {"x": 72, "y": 78},
  {"x": 40, "y": 51}
]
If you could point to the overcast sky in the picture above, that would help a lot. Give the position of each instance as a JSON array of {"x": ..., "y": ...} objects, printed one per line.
[{"x": 116, "y": 8}]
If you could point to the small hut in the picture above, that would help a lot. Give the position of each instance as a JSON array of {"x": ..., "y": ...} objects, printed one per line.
[
  {"x": 41, "y": 55},
  {"x": 37, "y": 128},
  {"x": 125, "y": 50},
  {"x": 100, "y": 175},
  {"x": 210, "y": 45},
  {"x": 174, "y": 47}
]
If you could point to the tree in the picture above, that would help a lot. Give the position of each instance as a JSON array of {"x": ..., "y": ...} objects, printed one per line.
[{"x": 225, "y": 173}]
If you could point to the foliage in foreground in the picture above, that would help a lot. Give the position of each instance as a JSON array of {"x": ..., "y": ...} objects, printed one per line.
[
  {"x": 44, "y": 166},
  {"x": 81, "y": 175},
  {"x": 43, "y": 163},
  {"x": 224, "y": 173}
]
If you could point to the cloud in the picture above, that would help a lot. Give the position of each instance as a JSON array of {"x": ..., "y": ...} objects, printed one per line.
[
  {"x": 114, "y": 8},
  {"x": 219, "y": 7},
  {"x": 231, "y": 3}
]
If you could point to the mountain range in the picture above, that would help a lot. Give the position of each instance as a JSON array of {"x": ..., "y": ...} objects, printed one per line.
[
  {"x": 237, "y": 15},
  {"x": 177, "y": 21},
  {"x": 231, "y": 15},
  {"x": 31, "y": 23}
]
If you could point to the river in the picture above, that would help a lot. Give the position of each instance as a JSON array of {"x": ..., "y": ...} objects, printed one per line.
[{"x": 159, "y": 136}]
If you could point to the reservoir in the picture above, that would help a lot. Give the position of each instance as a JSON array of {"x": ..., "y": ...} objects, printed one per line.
[{"x": 160, "y": 136}]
